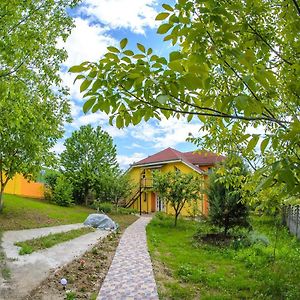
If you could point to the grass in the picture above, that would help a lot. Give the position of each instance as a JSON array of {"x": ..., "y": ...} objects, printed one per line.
[
  {"x": 50, "y": 240},
  {"x": 186, "y": 269},
  {"x": 24, "y": 213}
]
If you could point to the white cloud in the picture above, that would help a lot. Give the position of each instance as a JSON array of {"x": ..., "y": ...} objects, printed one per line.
[
  {"x": 114, "y": 131},
  {"x": 131, "y": 14},
  {"x": 165, "y": 133},
  {"x": 59, "y": 147},
  {"x": 124, "y": 160},
  {"x": 97, "y": 118},
  {"x": 87, "y": 42}
]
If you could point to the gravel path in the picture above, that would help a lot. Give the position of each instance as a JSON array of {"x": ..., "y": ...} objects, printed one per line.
[
  {"x": 130, "y": 276},
  {"x": 29, "y": 270}
]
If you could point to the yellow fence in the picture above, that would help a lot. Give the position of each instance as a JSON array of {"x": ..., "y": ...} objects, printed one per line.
[{"x": 20, "y": 186}]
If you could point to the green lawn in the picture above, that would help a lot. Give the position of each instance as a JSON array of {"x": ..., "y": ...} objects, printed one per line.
[
  {"x": 23, "y": 213},
  {"x": 186, "y": 269},
  {"x": 51, "y": 240}
]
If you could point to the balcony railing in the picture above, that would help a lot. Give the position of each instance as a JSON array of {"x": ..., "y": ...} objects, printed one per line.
[{"x": 146, "y": 182}]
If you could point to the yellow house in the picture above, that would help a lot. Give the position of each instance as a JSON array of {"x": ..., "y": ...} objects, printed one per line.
[{"x": 146, "y": 201}]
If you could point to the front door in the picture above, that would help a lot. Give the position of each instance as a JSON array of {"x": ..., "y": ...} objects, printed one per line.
[{"x": 160, "y": 206}]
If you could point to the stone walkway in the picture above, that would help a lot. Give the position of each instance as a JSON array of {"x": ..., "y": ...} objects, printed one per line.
[
  {"x": 29, "y": 270},
  {"x": 130, "y": 276}
]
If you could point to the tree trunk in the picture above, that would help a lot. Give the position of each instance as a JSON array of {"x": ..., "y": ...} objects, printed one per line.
[
  {"x": 1, "y": 198},
  {"x": 86, "y": 196},
  {"x": 176, "y": 217}
]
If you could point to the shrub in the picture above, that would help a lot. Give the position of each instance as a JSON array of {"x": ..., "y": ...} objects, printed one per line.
[
  {"x": 105, "y": 207},
  {"x": 63, "y": 192},
  {"x": 127, "y": 211}
]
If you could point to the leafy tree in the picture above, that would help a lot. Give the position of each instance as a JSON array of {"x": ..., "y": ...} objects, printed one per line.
[
  {"x": 51, "y": 178},
  {"x": 177, "y": 189},
  {"x": 235, "y": 67},
  {"x": 63, "y": 191},
  {"x": 114, "y": 188},
  {"x": 89, "y": 155},
  {"x": 226, "y": 206},
  {"x": 32, "y": 102}
]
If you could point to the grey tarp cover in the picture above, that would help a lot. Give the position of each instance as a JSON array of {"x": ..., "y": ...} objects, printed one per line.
[{"x": 100, "y": 221}]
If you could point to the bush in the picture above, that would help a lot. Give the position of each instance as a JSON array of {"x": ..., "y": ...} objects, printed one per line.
[
  {"x": 105, "y": 207},
  {"x": 63, "y": 192},
  {"x": 127, "y": 211}
]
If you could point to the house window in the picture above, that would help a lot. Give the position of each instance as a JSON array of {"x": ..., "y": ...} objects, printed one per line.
[{"x": 209, "y": 170}]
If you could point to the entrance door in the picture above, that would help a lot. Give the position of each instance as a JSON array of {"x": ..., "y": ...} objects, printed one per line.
[
  {"x": 160, "y": 206},
  {"x": 153, "y": 202}
]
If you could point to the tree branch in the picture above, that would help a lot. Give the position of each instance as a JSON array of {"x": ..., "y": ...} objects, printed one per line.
[
  {"x": 24, "y": 19},
  {"x": 268, "y": 44},
  {"x": 297, "y": 6},
  {"x": 203, "y": 113},
  {"x": 15, "y": 69}
]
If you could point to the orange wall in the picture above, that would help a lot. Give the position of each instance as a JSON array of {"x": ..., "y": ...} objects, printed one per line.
[{"x": 20, "y": 186}]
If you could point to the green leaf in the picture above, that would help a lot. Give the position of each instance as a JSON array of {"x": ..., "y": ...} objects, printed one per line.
[
  {"x": 85, "y": 84},
  {"x": 77, "y": 69},
  {"x": 112, "y": 56},
  {"x": 88, "y": 104},
  {"x": 128, "y": 52},
  {"x": 192, "y": 82},
  {"x": 264, "y": 144},
  {"x": 141, "y": 47},
  {"x": 252, "y": 143},
  {"x": 164, "y": 28},
  {"x": 162, "y": 99},
  {"x": 175, "y": 55},
  {"x": 176, "y": 66},
  {"x": 162, "y": 16},
  {"x": 139, "y": 56},
  {"x": 119, "y": 122},
  {"x": 136, "y": 118},
  {"x": 123, "y": 43},
  {"x": 167, "y": 7},
  {"x": 96, "y": 85},
  {"x": 80, "y": 76},
  {"x": 113, "y": 49}
]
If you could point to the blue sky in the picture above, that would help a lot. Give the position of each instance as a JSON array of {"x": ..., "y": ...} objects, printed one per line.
[{"x": 101, "y": 23}]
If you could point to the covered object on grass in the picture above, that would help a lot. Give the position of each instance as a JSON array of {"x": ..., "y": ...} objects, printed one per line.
[{"x": 100, "y": 221}]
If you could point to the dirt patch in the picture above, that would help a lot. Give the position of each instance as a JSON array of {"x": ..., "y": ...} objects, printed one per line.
[
  {"x": 84, "y": 275},
  {"x": 215, "y": 239}
]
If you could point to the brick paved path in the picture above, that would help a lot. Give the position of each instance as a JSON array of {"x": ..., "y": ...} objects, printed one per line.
[{"x": 130, "y": 276}]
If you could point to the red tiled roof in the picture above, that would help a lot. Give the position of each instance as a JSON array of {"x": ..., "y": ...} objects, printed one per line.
[
  {"x": 164, "y": 155},
  {"x": 191, "y": 158},
  {"x": 203, "y": 157}
]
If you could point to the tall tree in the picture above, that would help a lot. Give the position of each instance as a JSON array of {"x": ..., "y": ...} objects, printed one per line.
[
  {"x": 177, "y": 189},
  {"x": 89, "y": 155},
  {"x": 236, "y": 68},
  {"x": 33, "y": 103},
  {"x": 225, "y": 195}
]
